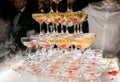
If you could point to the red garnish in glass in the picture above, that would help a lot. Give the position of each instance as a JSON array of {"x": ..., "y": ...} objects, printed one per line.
[
  {"x": 40, "y": 20},
  {"x": 32, "y": 44},
  {"x": 63, "y": 46},
  {"x": 112, "y": 79},
  {"x": 51, "y": 72},
  {"x": 93, "y": 63},
  {"x": 57, "y": 1},
  {"x": 47, "y": 45},
  {"x": 79, "y": 46},
  {"x": 20, "y": 68},
  {"x": 35, "y": 70},
  {"x": 113, "y": 72},
  {"x": 73, "y": 19},
  {"x": 88, "y": 67},
  {"x": 63, "y": 20},
  {"x": 92, "y": 74},
  {"x": 70, "y": 74},
  {"x": 56, "y": 20},
  {"x": 75, "y": 68}
]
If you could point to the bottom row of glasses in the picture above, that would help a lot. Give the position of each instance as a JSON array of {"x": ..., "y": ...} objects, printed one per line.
[{"x": 69, "y": 66}]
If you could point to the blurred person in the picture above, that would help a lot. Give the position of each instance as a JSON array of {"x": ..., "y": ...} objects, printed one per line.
[
  {"x": 4, "y": 39},
  {"x": 3, "y": 36},
  {"x": 22, "y": 24},
  {"x": 6, "y": 46},
  {"x": 104, "y": 21}
]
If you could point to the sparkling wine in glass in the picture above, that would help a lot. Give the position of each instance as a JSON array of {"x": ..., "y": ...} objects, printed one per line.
[
  {"x": 40, "y": 18},
  {"x": 62, "y": 42},
  {"x": 83, "y": 41},
  {"x": 29, "y": 43}
]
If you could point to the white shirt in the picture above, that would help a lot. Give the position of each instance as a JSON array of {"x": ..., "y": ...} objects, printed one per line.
[{"x": 104, "y": 20}]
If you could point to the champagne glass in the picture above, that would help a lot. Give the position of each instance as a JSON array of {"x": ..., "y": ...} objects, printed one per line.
[
  {"x": 82, "y": 19},
  {"x": 40, "y": 18},
  {"x": 75, "y": 20},
  {"x": 63, "y": 42},
  {"x": 83, "y": 41},
  {"x": 57, "y": 19},
  {"x": 91, "y": 73},
  {"x": 57, "y": 2},
  {"x": 69, "y": 5},
  {"x": 29, "y": 43},
  {"x": 18, "y": 67},
  {"x": 45, "y": 46},
  {"x": 50, "y": 40},
  {"x": 32, "y": 66},
  {"x": 62, "y": 21}
]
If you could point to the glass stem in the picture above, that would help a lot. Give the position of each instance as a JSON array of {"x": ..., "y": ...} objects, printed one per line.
[
  {"x": 81, "y": 30},
  {"x": 74, "y": 28},
  {"x": 47, "y": 28},
  {"x": 53, "y": 28},
  {"x": 40, "y": 29},
  {"x": 78, "y": 28},
  {"x": 67, "y": 29},
  {"x": 68, "y": 9},
  {"x": 62, "y": 30},
  {"x": 51, "y": 10},
  {"x": 29, "y": 52},
  {"x": 56, "y": 7},
  {"x": 70, "y": 6},
  {"x": 56, "y": 28}
]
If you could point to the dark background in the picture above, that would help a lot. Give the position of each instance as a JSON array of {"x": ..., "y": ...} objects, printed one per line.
[{"x": 7, "y": 9}]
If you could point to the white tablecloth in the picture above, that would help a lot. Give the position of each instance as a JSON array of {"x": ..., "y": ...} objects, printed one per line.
[{"x": 12, "y": 76}]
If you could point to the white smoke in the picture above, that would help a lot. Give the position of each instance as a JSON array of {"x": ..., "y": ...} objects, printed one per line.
[{"x": 8, "y": 61}]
